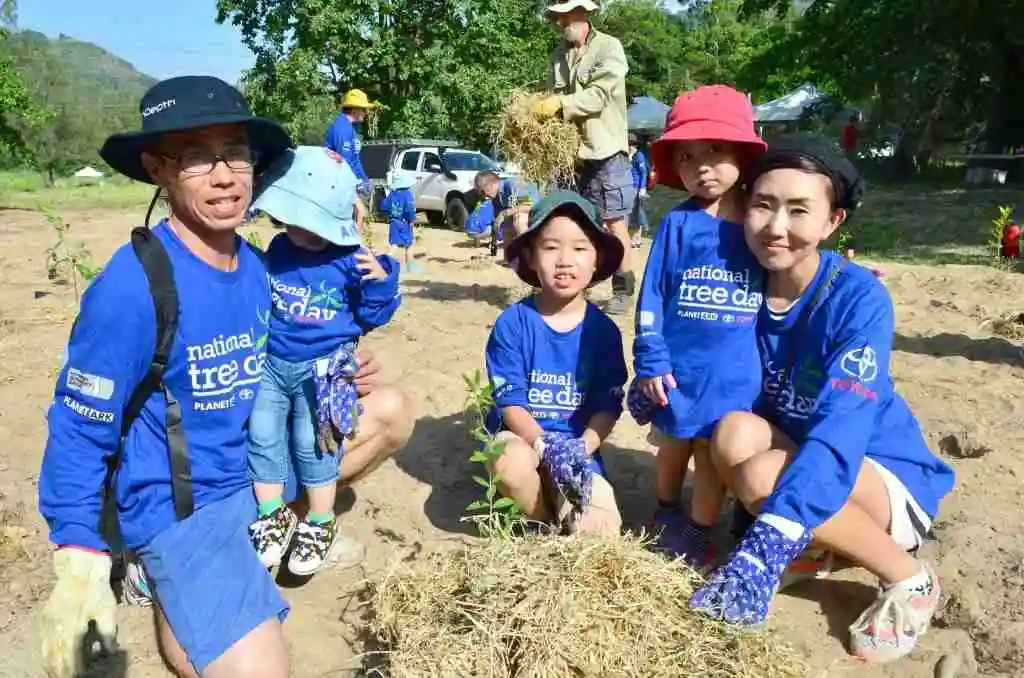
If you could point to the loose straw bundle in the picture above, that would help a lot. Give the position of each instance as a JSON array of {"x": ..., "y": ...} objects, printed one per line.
[
  {"x": 552, "y": 607},
  {"x": 545, "y": 150}
]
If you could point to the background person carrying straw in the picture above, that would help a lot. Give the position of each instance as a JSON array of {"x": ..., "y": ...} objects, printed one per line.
[{"x": 588, "y": 77}]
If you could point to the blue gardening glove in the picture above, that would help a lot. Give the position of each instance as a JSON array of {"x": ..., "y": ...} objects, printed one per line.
[
  {"x": 741, "y": 591},
  {"x": 568, "y": 463},
  {"x": 640, "y": 406},
  {"x": 337, "y": 401},
  {"x": 365, "y": 188}
]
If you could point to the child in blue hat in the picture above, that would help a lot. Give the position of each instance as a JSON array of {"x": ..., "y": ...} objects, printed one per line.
[
  {"x": 401, "y": 210},
  {"x": 327, "y": 291},
  {"x": 556, "y": 365}
]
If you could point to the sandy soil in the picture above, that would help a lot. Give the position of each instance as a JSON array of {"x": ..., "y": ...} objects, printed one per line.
[{"x": 961, "y": 381}]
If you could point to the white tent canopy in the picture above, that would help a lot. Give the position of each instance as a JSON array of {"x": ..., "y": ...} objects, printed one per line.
[
  {"x": 789, "y": 107},
  {"x": 88, "y": 173}
]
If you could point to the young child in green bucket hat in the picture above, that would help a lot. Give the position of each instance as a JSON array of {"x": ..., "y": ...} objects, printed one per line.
[{"x": 556, "y": 365}]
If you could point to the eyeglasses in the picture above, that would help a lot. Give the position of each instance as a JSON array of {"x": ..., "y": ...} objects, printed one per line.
[{"x": 199, "y": 162}]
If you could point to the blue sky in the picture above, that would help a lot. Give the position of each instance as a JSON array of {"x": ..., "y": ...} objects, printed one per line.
[{"x": 162, "y": 39}]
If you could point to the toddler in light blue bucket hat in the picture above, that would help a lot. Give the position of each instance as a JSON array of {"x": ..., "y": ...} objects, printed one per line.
[{"x": 327, "y": 291}]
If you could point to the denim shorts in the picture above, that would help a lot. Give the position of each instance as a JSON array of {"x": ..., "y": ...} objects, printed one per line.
[
  {"x": 609, "y": 185},
  {"x": 282, "y": 427},
  {"x": 208, "y": 580}
]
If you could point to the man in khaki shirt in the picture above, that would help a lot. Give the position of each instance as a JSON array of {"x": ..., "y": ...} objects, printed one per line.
[{"x": 588, "y": 76}]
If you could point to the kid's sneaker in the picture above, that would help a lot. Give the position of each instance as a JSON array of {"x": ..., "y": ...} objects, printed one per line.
[
  {"x": 312, "y": 544},
  {"x": 271, "y": 534}
]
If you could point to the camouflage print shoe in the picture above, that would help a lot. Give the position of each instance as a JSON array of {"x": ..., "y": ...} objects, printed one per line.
[
  {"x": 271, "y": 534},
  {"x": 312, "y": 545}
]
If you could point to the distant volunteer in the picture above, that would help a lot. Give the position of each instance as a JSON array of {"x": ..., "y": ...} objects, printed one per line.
[
  {"x": 343, "y": 136},
  {"x": 218, "y": 611},
  {"x": 588, "y": 75}
]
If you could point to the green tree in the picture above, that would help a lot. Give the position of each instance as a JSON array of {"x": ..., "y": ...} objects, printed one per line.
[
  {"x": 440, "y": 67},
  {"x": 18, "y": 110}
]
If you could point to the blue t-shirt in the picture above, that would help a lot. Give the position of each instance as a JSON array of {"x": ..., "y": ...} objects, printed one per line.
[
  {"x": 482, "y": 219},
  {"x": 400, "y": 207},
  {"x": 561, "y": 378},
  {"x": 213, "y": 371},
  {"x": 640, "y": 170},
  {"x": 320, "y": 301},
  {"x": 827, "y": 386},
  {"x": 695, "y": 319},
  {"x": 343, "y": 139}
]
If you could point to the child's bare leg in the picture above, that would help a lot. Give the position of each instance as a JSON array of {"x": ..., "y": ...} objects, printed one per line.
[
  {"x": 708, "y": 490},
  {"x": 519, "y": 477},
  {"x": 321, "y": 502},
  {"x": 267, "y": 492},
  {"x": 670, "y": 469},
  {"x": 602, "y": 515}
]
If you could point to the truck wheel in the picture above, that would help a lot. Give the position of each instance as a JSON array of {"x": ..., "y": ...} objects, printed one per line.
[
  {"x": 456, "y": 213},
  {"x": 435, "y": 219}
]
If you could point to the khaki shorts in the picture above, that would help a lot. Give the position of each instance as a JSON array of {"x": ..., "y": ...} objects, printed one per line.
[{"x": 909, "y": 525}]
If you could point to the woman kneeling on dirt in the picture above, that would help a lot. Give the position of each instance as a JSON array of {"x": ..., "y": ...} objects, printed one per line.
[
  {"x": 831, "y": 452},
  {"x": 557, "y": 367},
  {"x": 180, "y": 314}
]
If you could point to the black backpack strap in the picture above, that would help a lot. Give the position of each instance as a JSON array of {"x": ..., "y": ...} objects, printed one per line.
[{"x": 160, "y": 274}]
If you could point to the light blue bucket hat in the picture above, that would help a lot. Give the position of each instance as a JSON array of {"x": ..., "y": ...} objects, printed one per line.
[{"x": 311, "y": 187}]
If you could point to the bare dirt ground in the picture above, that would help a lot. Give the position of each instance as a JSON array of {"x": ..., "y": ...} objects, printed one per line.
[{"x": 961, "y": 380}]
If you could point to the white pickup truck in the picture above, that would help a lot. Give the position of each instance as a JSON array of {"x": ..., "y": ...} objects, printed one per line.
[{"x": 442, "y": 175}]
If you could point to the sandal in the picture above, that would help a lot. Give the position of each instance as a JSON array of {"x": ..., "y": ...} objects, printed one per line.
[{"x": 890, "y": 628}]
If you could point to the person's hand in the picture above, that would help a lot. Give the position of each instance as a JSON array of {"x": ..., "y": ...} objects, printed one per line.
[
  {"x": 547, "y": 107},
  {"x": 568, "y": 463},
  {"x": 368, "y": 376},
  {"x": 656, "y": 388},
  {"x": 741, "y": 591},
  {"x": 370, "y": 266},
  {"x": 81, "y": 598},
  {"x": 359, "y": 214},
  {"x": 643, "y": 192}
]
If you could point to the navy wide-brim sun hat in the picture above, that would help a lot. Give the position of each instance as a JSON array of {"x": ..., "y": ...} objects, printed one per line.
[
  {"x": 192, "y": 102},
  {"x": 609, "y": 248}
]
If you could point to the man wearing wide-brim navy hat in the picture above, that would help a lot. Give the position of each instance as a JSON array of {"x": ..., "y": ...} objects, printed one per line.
[{"x": 179, "y": 474}]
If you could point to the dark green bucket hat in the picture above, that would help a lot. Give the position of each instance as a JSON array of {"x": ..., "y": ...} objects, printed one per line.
[{"x": 584, "y": 213}]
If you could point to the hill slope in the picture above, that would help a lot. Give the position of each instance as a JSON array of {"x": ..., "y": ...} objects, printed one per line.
[{"x": 88, "y": 91}]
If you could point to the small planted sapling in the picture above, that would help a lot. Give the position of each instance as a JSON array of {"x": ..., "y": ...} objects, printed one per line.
[
  {"x": 68, "y": 260},
  {"x": 493, "y": 515}
]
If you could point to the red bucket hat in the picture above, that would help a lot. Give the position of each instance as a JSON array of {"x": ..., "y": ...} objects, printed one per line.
[{"x": 711, "y": 113}]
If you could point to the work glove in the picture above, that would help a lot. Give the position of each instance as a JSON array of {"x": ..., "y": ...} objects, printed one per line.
[
  {"x": 639, "y": 405},
  {"x": 547, "y": 107},
  {"x": 365, "y": 187},
  {"x": 337, "y": 401},
  {"x": 81, "y": 595},
  {"x": 741, "y": 591},
  {"x": 568, "y": 464}
]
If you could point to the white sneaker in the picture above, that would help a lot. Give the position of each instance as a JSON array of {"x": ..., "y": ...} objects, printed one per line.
[
  {"x": 136, "y": 588},
  {"x": 344, "y": 553}
]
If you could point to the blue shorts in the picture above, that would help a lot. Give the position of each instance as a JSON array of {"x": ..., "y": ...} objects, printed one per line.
[
  {"x": 208, "y": 580},
  {"x": 400, "y": 234}
]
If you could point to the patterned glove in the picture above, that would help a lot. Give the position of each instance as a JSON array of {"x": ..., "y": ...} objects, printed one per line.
[
  {"x": 365, "y": 188},
  {"x": 741, "y": 591},
  {"x": 640, "y": 406},
  {"x": 337, "y": 401},
  {"x": 568, "y": 464}
]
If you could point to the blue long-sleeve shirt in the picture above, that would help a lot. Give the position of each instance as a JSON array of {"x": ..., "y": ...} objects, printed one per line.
[
  {"x": 561, "y": 378},
  {"x": 827, "y": 386},
  {"x": 640, "y": 169},
  {"x": 695, "y": 320},
  {"x": 214, "y": 371},
  {"x": 343, "y": 138},
  {"x": 320, "y": 300},
  {"x": 400, "y": 207}
]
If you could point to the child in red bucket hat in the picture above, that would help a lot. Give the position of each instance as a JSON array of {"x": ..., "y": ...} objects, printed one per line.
[{"x": 695, "y": 350}]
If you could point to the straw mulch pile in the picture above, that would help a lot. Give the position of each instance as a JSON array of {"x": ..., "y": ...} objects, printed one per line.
[
  {"x": 557, "y": 607},
  {"x": 545, "y": 150}
]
